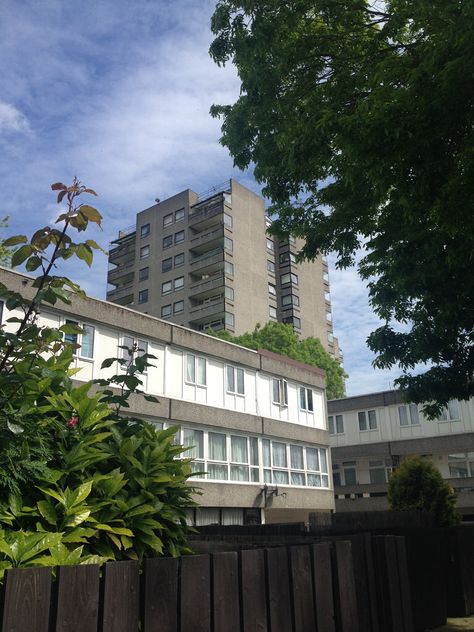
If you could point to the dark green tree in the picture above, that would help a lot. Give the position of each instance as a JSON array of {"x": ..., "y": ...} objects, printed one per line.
[
  {"x": 359, "y": 119},
  {"x": 417, "y": 485},
  {"x": 281, "y": 339}
]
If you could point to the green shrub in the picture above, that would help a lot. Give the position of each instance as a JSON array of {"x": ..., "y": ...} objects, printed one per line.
[
  {"x": 418, "y": 485},
  {"x": 79, "y": 481}
]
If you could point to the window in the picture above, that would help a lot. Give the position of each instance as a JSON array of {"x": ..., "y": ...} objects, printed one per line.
[
  {"x": 179, "y": 215},
  {"x": 229, "y": 319},
  {"x": 144, "y": 252},
  {"x": 166, "y": 287},
  {"x": 330, "y": 336},
  {"x": 167, "y": 264},
  {"x": 179, "y": 260},
  {"x": 194, "y": 439},
  {"x": 168, "y": 219},
  {"x": 273, "y": 311},
  {"x": 408, "y": 415},
  {"x": 228, "y": 220},
  {"x": 179, "y": 283},
  {"x": 270, "y": 245},
  {"x": 244, "y": 453},
  {"x": 461, "y": 465},
  {"x": 217, "y": 451},
  {"x": 270, "y": 266},
  {"x": 143, "y": 274},
  {"x": 306, "y": 399},
  {"x": 338, "y": 427},
  {"x": 377, "y": 472},
  {"x": 326, "y": 277},
  {"x": 179, "y": 237},
  {"x": 290, "y": 299},
  {"x": 329, "y": 317},
  {"x": 235, "y": 380},
  {"x": 350, "y": 477},
  {"x": 178, "y": 307},
  {"x": 132, "y": 347},
  {"x": 296, "y": 322},
  {"x": 165, "y": 311},
  {"x": 143, "y": 296},
  {"x": 289, "y": 278},
  {"x": 272, "y": 289},
  {"x": 327, "y": 296},
  {"x": 229, "y": 293},
  {"x": 195, "y": 369},
  {"x": 167, "y": 242},
  {"x": 228, "y": 244},
  {"x": 371, "y": 417},
  {"x": 451, "y": 413},
  {"x": 83, "y": 341},
  {"x": 145, "y": 230},
  {"x": 280, "y": 391},
  {"x": 294, "y": 464},
  {"x": 286, "y": 257},
  {"x": 229, "y": 268}
]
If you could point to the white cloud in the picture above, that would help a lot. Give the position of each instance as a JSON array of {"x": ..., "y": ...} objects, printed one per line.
[{"x": 11, "y": 119}]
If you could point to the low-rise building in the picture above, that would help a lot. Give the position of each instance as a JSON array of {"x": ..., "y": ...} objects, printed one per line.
[
  {"x": 255, "y": 421},
  {"x": 371, "y": 434}
]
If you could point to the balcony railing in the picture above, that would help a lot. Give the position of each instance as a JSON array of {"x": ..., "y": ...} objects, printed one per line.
[{"x": 202, "y": 239}]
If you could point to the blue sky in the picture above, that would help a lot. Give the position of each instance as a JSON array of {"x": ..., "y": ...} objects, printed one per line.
[{"x": 118, "y": 93}]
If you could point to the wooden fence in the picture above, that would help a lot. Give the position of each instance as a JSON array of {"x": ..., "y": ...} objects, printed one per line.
[{"x": 281, "y": 589}]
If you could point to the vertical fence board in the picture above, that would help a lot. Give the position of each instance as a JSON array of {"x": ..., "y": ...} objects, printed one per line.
[
  {"x": 302, "y": 588},
  {"x": 195, "y": 593},
  {"x": 78, "y": 598},
  {"x": 160, "y": 603},
  {"x": 226, "y": 605},
  {"x": 393, "y": 583},
  {"x": 346, "y": 601},
  {"x": 405, "y": 592},
  {"x": 254, "y": 607},
  {"x": 121, "y": 597},
  {"x": 27, "y": 600},
  {"x": 323, "y": 587},
  {"x": 279, "y": 602},
  {"x": 371, "y": 583}
]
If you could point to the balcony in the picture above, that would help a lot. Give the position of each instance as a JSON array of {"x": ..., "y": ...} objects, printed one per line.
[
  {"x": 121, "y": 275},
  {"x": 204, "y": 312},
  {"x": 124, "y": 252},
  {"x": 209, "y": 262},
  {"x": 120, "y": 292},
  {"x": 203, "y": 241},
  {"x": 207, "y": 215},
  {"x": 206, "y": 287}
]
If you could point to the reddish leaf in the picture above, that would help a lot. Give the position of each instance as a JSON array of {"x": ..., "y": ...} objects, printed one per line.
[
  {"x": 58, "y": 185},
  {"x": 91, "y": 191},
  {"x": 61, "y": 194}
]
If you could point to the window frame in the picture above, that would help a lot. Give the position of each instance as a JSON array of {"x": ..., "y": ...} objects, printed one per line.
[
  {"x": 145, "y": 230},
  {"x": 233, "y": 389},
  {"x": 306, "y": 399},
  {"x": 282, "y": 391},
  {"x": 145, "y": 251},
  {"x": 167, "y": 242},
  {"x": 194, "y": 379},
  {"x": 143, "y": 296}
]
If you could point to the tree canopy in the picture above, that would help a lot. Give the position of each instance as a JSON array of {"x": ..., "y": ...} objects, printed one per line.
[
  {"x": 281, "y": 339},
  {"x": 418, "y": 485},
  {"x": 358, "y": 117}
]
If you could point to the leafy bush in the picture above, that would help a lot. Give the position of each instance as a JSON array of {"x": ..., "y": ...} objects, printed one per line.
[
  {"x": 418, "y": 485},
  {"x": 79, "y": 481}
]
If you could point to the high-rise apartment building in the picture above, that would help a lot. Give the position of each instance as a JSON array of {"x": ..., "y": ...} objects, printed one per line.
[{"x": 205, "y": 260}]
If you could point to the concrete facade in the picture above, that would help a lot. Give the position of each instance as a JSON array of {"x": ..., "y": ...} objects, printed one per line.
[
  {"x": 206, "y": 261},
  {"x": 371, "y": 434},
  {"x": 263, "y": 458}
]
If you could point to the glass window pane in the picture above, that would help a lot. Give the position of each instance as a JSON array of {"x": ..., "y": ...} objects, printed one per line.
[
  {"x": 217, "y": 446},
  {"x": 377, "y": 476},
  {"x": 284, "y": 385},
  {"x": 402, "y": 415},
  {"x": 194, "y": 438},
  {"x": 312, "y": 459},
  {"x": 372, "y": 420},
  {"x": 71, "y": 338},
  {"x": 296, "y": 456},
  {"x": 217, "y": 472},
  {"x": 453, "y": 409},
  {"x": 267, "y": 476},
  {"x": 239, "y": 450},
  {"x": 201, "y": 362},
  {"x": 230, "y": 379},
  {"x": 279, "y": 454},
  {"x": 280, "y": 477},
  {"x": 239, "y": 473},
  {"x": 323, "y": 460},
  {"x": 362, "y": 421},
  {"x": 350, "y": 475},
  {"x": 233, "y": 516},
  {"x": 87, "y": 348},
  {"x": 127, "y": 341},
  {"x": 340, "y": 424},
  {"x": 302, "y": 398},
  {"x": 254, "y": 474},
  {"x": 331, "y": 424},
  {"x": 276, "y": 390},
  {"x": 314, "y": 480},
  {"x": 414, "y": 415},
  {"x": 309, "y": 394},
  {"x": 253, "y": 450},
  {"x": 240, "y": 381},
  {"x": 266, "y": 453},
  {"x": 190, "y": 368},
  {"x": 298, "y": 478}
]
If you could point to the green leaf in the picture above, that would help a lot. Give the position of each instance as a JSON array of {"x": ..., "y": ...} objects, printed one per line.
[
  {"x": 16, "y": 239},
  {"x": 107, "y": 363},
  {"x": 48, "y": 511},
  {"x": 21, "y": 254},
  {"x": 78, "y": 518},
  {"x": 91, "y": 213},
  {"x": 33, "y": 263},
  {"x": 85, "y": 253}
]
